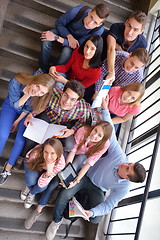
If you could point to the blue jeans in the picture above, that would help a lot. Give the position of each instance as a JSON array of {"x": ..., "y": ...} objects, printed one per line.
[
  {"x": 79, "y": 160},
  {"x": 8, "y": 116},
  {"x": 46, "y": 48},
  {"x": 48, "y": 192},
  {"x": 96, "y": 196},
  {"x": 32, "y": 177}
]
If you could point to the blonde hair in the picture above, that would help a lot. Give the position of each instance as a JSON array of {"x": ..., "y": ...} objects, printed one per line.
[
  {"x": 136, "y": 87},
  {"x": 38, "y": 104}
]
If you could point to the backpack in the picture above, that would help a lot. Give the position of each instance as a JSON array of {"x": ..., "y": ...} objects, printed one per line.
[
  {"x": 82, "y": 198},
  {"x": 80, "y": 14}
]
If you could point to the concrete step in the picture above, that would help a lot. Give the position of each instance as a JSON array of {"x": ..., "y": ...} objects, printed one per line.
[
  {"x": 22, "y": 18},
  {"x": 19, "y": 46},
  {"x": 9, "y": 68},
  {"x": 14, "y": 213},
  {"x": 10, "y": 235}
]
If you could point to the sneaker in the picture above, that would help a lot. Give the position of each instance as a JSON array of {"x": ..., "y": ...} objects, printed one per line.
[
  {"x": 39, "y": 71},
  {"x": 24, "y": 193},
  {"x": 29, "y": 200},
  {"x": 32, "y": 219},
  {"x": 18, "y": 163},
  {"x": 4, "y": 175},
  {"x": 52, "y": 230}
]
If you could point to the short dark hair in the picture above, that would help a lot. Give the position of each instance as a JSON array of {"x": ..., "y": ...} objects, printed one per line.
[
  {"x": 95, "y": 61},
  {"x": 142, "y": 55},
  {"x": 140, "y": 17},
  {"x": 140, "y": 173},
  {"x": 76, "y": 87},
  {"x": 101, "y": 10}
]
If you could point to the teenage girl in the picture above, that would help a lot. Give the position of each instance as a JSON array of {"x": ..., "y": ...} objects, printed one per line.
[
  {"x": 84, "y": 65},
  {"x": 90, "y": 144},
  {"x": 124, "y": 102},
  {"x": 25, "y": 92},
  {"x": 43, "y": 163}
]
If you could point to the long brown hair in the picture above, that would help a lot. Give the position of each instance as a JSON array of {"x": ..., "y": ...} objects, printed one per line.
[
  {"x": 107, "y": 131},
  {"x": 136, "y": 87},
  {"x": 38, "y": 163},
  {"x": 38, "y": 104}
]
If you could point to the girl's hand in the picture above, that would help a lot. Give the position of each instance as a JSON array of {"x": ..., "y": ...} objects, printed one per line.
[
  {"x": 50, "y": 167},
  {"x": 26, "y": 90},
  {"x": 72, "y": 184},
  {"x": 14, "y": 126},
  {"x": 105, "y": 102},
  {"x": 53, "y": 73}
]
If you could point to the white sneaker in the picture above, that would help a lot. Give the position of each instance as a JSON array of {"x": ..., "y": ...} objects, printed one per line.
[
  {"x": 39, "y": 71},
  {"x": 52, "y": 230},
  {"x": 29, "y": 200},
  {"x": 24, "y": 193},
  {"x": 32, "y": 218}
]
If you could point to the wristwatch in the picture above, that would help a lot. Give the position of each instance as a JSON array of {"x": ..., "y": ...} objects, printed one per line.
[{"x": 56, "y": 37}]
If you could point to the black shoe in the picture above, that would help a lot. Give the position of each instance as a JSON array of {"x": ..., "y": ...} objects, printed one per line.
[{"x": 3, "y": 176}]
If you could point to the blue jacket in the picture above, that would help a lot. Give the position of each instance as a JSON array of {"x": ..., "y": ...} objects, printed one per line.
[
  {"x": 15, "y": 92},
  {"x": 66, "y": 26}
]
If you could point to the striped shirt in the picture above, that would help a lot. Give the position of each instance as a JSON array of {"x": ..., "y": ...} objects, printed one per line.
[
  {"x": 80, "y": 112},
  {"x": 122, "y": 78}
]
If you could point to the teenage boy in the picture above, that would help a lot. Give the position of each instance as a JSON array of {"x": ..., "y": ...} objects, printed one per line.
[
  {"x": 112, "y": 172},
  {"x": 126, "y": 36},
  {"x": 72, "y": 28},
  {"x": 128, "y": 68}
]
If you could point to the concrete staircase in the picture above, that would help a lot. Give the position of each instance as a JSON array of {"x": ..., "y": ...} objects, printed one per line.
[{"x": 21, "y": 25}]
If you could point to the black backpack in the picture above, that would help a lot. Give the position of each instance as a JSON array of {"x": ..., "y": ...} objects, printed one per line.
[{"x": 82, "y": 198}]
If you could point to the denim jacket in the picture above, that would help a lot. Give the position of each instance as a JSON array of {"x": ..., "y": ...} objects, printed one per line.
[{"x": 15, "y": 92}]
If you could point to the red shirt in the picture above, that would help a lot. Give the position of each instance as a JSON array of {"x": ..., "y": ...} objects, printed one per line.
[{"x": 76, "y": 71}]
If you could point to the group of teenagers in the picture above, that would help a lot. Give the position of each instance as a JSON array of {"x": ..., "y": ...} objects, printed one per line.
[{"x": 62, "y": 94}]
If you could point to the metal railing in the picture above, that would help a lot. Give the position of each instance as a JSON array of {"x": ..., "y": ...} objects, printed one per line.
[{"x": 137, "y": 144}]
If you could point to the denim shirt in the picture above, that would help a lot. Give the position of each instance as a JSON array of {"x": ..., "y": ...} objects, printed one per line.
[
  {"x": 65, "y": 26},
  {"x": 15, "y": 92}
]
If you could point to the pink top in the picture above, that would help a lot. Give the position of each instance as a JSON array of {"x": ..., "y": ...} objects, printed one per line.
[
  {"x": 43, "y": 180},
  {"x": 76, "y": 71},
  {"x": 78, "y": 139},
  {"x": 114, "y": 105}
]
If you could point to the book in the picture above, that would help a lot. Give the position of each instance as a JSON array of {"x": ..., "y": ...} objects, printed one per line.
[
  {"x": 40, "y": 130},
  {"x": 67, "y": 175},
  {"x": 76, "y": 209},
  {"x": 101, "y": 94}
]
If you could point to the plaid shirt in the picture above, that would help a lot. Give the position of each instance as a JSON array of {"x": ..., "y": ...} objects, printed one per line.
[
  {"x": 80, "y": 112},
  {"x": 122, "y": 78}
]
